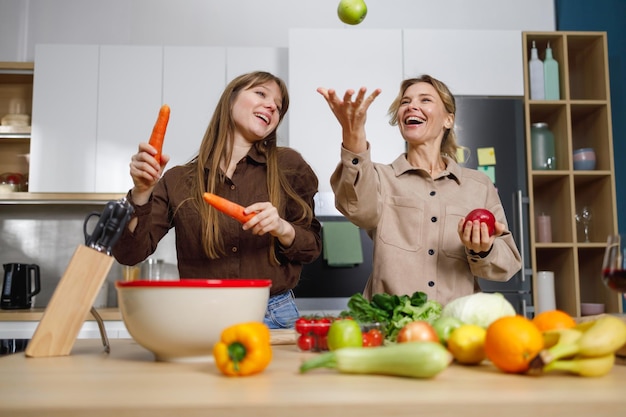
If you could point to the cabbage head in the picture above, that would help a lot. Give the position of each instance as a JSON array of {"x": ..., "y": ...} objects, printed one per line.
[{"x": 480, "y": 308}]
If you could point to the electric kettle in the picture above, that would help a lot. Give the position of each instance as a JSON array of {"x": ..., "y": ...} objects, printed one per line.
[{"x": 21, "y": 283}]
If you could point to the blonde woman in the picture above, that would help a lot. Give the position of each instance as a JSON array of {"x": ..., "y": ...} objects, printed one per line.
[{"x": 414, "y": 208}]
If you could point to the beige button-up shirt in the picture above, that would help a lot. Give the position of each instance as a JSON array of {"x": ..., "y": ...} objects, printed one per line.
[{"x": 412, "y": 220}]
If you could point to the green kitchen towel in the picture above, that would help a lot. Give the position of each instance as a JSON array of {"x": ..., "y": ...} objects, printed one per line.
[{"x": 341, "y": 244}]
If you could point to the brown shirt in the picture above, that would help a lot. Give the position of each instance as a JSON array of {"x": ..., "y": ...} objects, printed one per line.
[
  {"x": 412, "y": 219},
  {"x": 247, "y": 255}
]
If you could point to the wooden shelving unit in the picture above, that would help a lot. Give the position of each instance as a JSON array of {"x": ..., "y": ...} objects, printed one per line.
[
  {"x": 16, "y": 85},
  {"x": 581, "y": 118}
]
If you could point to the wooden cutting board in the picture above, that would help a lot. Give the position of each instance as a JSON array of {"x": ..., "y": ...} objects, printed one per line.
[
  {"x": 282, "y": 336},
  {"x": 70, "y": 303}
]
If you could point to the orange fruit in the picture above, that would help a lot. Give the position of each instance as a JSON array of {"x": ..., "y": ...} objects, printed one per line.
[
  {"x": 553, "y": 320},
  {"x": 512, "y": 342}
]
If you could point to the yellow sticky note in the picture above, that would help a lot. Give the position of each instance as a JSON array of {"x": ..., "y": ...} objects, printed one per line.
[
  {"x": 460, "y": 155},
  {"x": 486, "y": 156},
  {"x": 490, "y": 171}
]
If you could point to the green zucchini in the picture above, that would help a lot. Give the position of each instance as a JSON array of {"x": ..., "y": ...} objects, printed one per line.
[{"x": 409, "y": 359}]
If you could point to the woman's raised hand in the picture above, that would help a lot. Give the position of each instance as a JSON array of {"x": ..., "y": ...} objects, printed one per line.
[
  {"x": 145, "y": 172},
  {"x": 351, "y": 115}
]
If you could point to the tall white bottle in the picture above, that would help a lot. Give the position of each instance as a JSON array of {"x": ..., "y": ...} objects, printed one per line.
[
  {"x": 535, "y": 71},
  {"x": 551, "y": 76}
]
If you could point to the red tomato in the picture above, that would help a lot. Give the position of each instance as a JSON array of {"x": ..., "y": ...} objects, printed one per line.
[
  {"x": 483, "y": 216},
  {"x": 417, "y": 331},
  {"x": 302, "y": 325},
  {"x": 376, "y": 337},
  {"x": 320, "y": 326},
  {"x": 321, "y": 342},
  {"x": 367, "y": 340},
  {"x": 306, "y": 342}
]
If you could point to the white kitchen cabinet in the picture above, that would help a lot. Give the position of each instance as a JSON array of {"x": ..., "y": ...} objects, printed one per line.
[
  {"x": 63, "y": 138},
  {"x": 470, "y": 62},
  {"x": 342, "y": 59},
  {"x": 193, "y": 80},
  {"x": 92, "y": 105},
  {"x": 130, "y": 93}
]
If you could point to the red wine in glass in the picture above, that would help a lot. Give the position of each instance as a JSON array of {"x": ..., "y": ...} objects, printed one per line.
[
  {"x": 614, "y": 263},
  {"x": 615, "y": 279}
]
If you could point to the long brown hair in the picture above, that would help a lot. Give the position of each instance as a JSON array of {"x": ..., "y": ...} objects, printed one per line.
[
  {"x": 449, "y": 145},
  {"x": 216, "y": 148}
]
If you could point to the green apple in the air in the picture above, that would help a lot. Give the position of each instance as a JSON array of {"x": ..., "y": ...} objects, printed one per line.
[{"x": 352, "y": 12}]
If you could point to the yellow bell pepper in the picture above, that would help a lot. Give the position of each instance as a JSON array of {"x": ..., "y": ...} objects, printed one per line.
[{"x": 243, "y": 349}]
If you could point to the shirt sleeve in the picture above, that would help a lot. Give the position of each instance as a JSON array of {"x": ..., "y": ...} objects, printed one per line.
[
  {"x": 152, "y": 224},
  {"x": 307, "y": 244},
  {"x": 356, "y": 186}
]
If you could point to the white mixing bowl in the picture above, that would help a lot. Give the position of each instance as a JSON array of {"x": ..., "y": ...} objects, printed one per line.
[{"x": 182, "y": 320}]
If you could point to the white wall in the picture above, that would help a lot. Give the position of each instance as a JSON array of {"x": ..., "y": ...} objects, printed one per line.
[{"x": 24, "y": 23}]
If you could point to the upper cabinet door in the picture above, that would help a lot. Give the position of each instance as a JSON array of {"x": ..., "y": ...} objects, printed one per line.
[
  {"x": 130, "y": 93},
  {"x": 470, "y": 62},
  {"x": 193, "y": 80},
  {"x": 342, "y": 59},
  {"x": 63, "y": 140}
]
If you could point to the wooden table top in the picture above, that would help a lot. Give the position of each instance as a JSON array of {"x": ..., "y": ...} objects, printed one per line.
[{"x": 129, "y": 382}]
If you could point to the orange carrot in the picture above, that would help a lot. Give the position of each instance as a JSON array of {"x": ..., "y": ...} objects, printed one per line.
[
  {"x": 158, "y": 132},
  {"x": 227, "y": 207}
]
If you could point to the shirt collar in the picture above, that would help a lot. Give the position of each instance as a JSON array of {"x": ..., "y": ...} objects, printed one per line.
[
  {"x": 256, "y": 156},
  {"x": 453, "y": 170}
]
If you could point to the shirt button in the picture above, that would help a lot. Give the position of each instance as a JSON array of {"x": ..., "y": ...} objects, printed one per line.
[
  {"x": 433, "y": 219},
  {"x": 232, "y": 186},
  {"x": 355, "y": 161},
  {"x": 431, "y": 284},
  {"x": 431, "y": 251},
  {"x": 432, "y": 193},
  {"x": 234, "y": 249}
]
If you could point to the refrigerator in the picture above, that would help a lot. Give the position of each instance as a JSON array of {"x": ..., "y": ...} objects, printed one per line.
[{"x": 498, "y": 123}]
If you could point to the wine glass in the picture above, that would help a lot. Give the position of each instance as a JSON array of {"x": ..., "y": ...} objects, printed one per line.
[
  {"x": 614, "y": 263},
  {"x": 584, "y": 218}
]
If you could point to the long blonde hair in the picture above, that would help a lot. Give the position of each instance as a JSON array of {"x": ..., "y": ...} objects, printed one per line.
[
  {"x": 449, "y": 144},
  {"x": 216, "y": 148}
]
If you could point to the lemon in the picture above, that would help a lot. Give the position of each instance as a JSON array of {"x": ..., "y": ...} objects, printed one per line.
[{"x": 467, "y": 344}]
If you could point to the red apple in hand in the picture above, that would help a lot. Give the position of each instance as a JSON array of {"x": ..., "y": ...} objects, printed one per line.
[{"x": 483, "y": 216}]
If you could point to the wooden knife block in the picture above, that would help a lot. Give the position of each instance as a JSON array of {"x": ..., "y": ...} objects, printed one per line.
[{"x": 70, "y": 303}]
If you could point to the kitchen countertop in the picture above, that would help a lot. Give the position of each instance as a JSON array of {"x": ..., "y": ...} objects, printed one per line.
[
  {"x": 35, "y": 314},
  {"x": 129, "y": 382}
]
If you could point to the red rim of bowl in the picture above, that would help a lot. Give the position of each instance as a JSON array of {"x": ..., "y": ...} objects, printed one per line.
[{"x": 197, "y": 283}]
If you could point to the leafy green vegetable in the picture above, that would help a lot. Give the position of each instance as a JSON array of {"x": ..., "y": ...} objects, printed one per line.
[{"x": 394, "y": 310}]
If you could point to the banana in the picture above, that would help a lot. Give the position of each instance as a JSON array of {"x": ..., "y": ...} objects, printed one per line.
[
  {"x": 601, "y": 337},
  {"x": 583, "y": 366},
  {"x": 553, "y": 341},
  {"x": 563, "y": 336},
  {"x": 607, "y": 335}
]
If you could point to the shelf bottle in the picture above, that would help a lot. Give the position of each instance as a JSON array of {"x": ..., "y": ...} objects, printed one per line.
[
  {"x": 535, "y": 70},
  {"x": 551, "y": 76}
]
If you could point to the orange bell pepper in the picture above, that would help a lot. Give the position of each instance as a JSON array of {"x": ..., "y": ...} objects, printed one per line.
[{"x": 244, "y": 349}]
